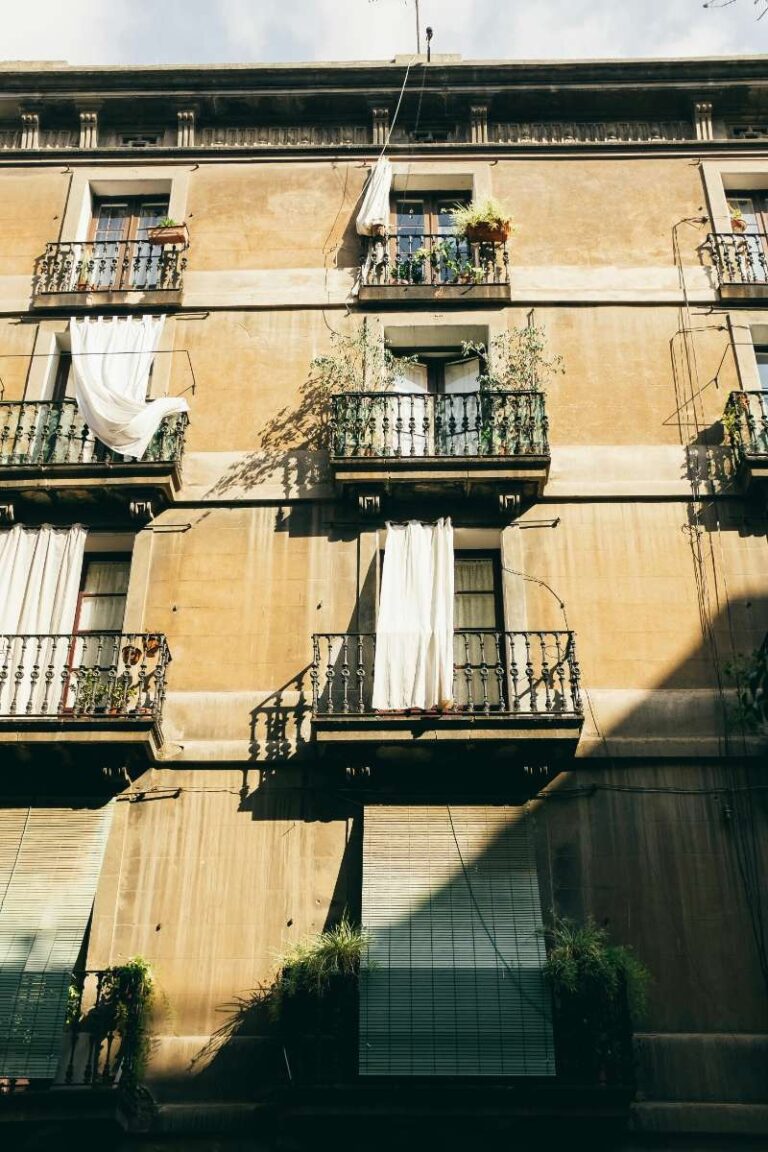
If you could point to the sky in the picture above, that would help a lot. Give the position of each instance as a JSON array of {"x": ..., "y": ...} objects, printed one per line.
[{"x": 248, "y": 31}]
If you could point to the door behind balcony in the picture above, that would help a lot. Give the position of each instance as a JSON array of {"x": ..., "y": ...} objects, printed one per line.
[{"x": 123, "y": 257}]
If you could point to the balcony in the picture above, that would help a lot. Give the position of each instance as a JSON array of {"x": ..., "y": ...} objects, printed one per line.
[
  {"x": 473, "y": 441},
  {"x": 741, "y": 262},
  {"x": 509, "y": 687},
  {"x": 120, "y": 272},
  {"x": 81, "y": 688},
  {"x": 426, "y": 268},
  {"x": 47, "y": 451},
  {"x": 746, "y": 421}
]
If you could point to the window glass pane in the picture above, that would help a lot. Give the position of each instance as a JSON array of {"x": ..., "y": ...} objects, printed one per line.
[
  {"x": 101, "y": 613},
  {"x": 761, "y": 355},
  {"x": 474, "y": 575},
  {"x": 475, "y": 593},
  {"x": 105, "y": 576}
]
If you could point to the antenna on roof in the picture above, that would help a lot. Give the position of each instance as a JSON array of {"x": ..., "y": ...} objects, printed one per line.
[
  {"x": 418, "y": 29},
  {"x": 430, "y": 34}
]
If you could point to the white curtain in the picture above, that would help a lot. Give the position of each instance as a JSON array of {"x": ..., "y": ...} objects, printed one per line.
[
  {"x": 414, "y": 631},
  {"x": 111, "y": 361},
  {"x": 410, "y": 383},
  {"x": 374, "y": 210},
  {"x": 461, "y": 377},
  {"x": 39, "y": 581}
]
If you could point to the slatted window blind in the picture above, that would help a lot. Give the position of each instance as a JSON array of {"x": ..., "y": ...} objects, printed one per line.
[
  {"x": 453, "y": 985},
  {"x": 50, "y": 860}
]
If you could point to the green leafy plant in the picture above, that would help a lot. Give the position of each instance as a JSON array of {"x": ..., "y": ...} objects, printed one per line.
[
  {"x": 95, "y": 691},
  {"x": 359, "y": 362},
  {"x": 488, "y": 213},
  {"x": 750, "y": 674},
  {"x": 312, "y": 965},
  {"x": 515, "y": 360},
  {"x": 599, "y": 988},
  {"x": 167, "y": 222},
  {"x": 123, "y": 1010},
  {"x": 581, "y": 961}
]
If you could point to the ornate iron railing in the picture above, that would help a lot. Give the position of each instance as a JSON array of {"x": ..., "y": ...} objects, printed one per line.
[
  {"x": 746, "y": 421},
  {"x": 433, "y": 260},
  {"x": 88, "y": 675},
  {"x": 520, "y": 674},
  {"x": 458, "y": 424},
  {"x": 109, "y": 266},
  {"x": 95, "y": 1051},
  {"x": 740, "y": 257},
  {"x": 46, "y": 433}
]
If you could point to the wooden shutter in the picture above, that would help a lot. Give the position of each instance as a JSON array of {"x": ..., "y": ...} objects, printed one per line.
[
  {"x": 453, "y": 985},
  {"x": 50, "y": 859}
]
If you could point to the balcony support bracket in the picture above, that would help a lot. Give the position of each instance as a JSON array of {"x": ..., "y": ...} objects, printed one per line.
[
  {"x": 369, "y": 506},
  {"x": 142, "y": 511},
  {"x": 509, "y": 504}
]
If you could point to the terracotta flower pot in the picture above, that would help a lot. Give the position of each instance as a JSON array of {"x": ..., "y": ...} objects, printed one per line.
[
  {"x": 737, "y": 224},
  {"x": 488, "y": 233},
  {"x": 168, "y": 235}
]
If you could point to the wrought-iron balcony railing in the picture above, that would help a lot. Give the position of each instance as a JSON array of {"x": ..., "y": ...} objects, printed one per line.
[
  {"x": 433, "y": 261},
  {"x": 93, "y": 676},
  {"x": 114, "y": 266},
  {"x": 746, "y": 421},
  {"x": 740, "y": 258},
  {"x": 516, "y": 674},
  {"x": 459, "y": 424},
  {"x": 101, "y": 1029},
  {"x": 50, "y": 433}
]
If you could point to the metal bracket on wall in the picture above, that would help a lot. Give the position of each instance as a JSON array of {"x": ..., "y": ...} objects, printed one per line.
[{"x": 7, "y": 514}]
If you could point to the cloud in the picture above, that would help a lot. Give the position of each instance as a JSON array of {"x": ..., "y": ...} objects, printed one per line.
[{"x": 240, "y": 31}]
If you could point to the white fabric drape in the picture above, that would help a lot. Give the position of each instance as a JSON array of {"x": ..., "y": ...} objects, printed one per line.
[
  {"x": 111, "y": 361},
  {"x": 39, "y": 582},
  {"x": 414, "y": 632},
  {"x": 374, "y": 211},
  {"x": 407, "y": 417}
]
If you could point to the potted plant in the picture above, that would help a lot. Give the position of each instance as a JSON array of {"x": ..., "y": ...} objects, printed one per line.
[
  {"x": 485, "y": 221},
  {"x": 167, "y": 233},
  {"x": 738, "y": 223}
]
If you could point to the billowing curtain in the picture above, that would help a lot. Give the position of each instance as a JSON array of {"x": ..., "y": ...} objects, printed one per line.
[
  {"x": 409, "y": 425},
  {"x": 462, "y": 416},
  {"x": 374, "y": 211},
  {"x": 111, "y": 362},
  {"x": 414, "y": 631},
  {"x": 39, "y": 582}
]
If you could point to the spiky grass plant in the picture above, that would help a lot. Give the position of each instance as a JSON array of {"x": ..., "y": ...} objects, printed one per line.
[
  {"x": 311, "y": 965},
  {"x": 582, "y": 962}
]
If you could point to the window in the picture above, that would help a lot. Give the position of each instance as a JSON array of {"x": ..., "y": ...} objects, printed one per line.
[
  {"x": 749, "y": 252},
  {"x": 441, "y": 993},
  {"x": 427, "y": 251},
  {"x": 103, "y": 591},
  {"x": 761, "y": 356},
  {"x": 435, "y": 408},
  {"x": 63, "y": 380},
  {"x": 123, "y": 258},
  {"x": 478, "y": 621}
]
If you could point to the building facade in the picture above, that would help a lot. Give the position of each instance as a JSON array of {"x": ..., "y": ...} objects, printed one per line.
[{"x": 202, "y": 764}]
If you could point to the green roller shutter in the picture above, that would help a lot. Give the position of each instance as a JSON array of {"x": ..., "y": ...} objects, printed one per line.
[
  {"x": 50, "y": 859},
  {"x": 453, "y": 985}
]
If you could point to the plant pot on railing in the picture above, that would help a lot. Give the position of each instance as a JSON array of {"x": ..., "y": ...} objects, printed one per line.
[
  {"x": 168, "y": 234},
  {"x": 738, "y": 223},
  {"x": 487, "y": 233}
]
